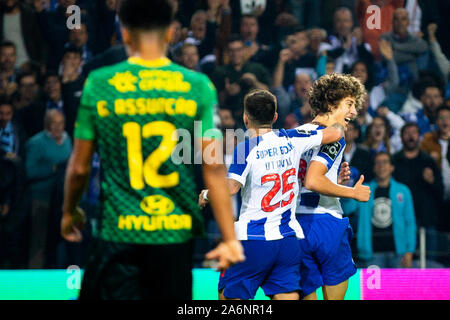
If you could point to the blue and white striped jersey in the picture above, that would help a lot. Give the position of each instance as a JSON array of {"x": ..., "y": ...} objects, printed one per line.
[
  {"x": 266, "y": 166},
  {"x": 330, "y": 155}
]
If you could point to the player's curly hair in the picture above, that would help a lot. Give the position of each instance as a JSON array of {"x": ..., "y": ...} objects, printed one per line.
[{"x": 327, "y": 91}]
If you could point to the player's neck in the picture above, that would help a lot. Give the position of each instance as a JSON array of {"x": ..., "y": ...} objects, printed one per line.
[
  {"x": 149, "y": 50},
  {"x": 323, "y": 120},
  {"x": 258, "y": 131}
]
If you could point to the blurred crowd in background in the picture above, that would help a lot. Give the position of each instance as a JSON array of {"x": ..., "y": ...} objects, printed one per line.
[{"x": 399, "y": 140}]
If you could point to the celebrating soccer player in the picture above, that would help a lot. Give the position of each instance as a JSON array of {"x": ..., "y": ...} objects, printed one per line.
[
  {"x": 131, "y": 112},
  {"x": 326, "y": 255},
  {"x": 265, "y": 167}
]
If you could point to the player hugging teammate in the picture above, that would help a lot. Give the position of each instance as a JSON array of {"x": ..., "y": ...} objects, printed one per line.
[{"x": 275, "y": 260}]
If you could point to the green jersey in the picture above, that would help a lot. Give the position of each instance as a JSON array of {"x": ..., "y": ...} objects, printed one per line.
[{"x": 137, "y": 111}]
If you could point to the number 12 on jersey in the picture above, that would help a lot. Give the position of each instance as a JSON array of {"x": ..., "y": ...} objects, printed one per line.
[{"x": 141, "y": 171}]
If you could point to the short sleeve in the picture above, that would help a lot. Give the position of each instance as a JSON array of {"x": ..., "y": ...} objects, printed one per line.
[
  {"x": 328, "y": 153},
  {"x": 207, "y": 111},
  {"x": 239, "y": 168},
  {"x": 304, "y": 140},
  {"x": 85, "y": 122}
]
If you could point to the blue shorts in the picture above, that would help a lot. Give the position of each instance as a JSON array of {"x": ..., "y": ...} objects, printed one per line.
[
  {"x": 326, "y": 254},
  {"x": 272, "y": 265}
]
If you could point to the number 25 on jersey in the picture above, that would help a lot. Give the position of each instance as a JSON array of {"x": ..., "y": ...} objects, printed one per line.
[{"x": 266, "y": 200}]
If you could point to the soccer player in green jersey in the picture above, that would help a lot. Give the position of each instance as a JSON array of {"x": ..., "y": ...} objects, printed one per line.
[{"x": 130, "y": 112}]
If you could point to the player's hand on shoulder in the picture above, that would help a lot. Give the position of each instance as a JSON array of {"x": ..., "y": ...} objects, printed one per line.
[
  {"x": 361, "y": 192},
  {"x": 203, "y": 199},
  {"x": 332, "y": 133},
  {"x": 227, "y": 253}
]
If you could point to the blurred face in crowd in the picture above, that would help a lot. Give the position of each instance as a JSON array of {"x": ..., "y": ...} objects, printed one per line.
[
  {"x": 249, "y": 28},
  {"x": 72, "y": 59},
  {"x": 443, "y": 122},
  {"x": 377, "y": 130},
  {"x": 343, "y": 22},
  {"x": 9, "y": 5},
  {"x": 360, "y": 72},
  {"x": 330, "y": 66},
  {"x": 28, "y": 88},
  {"x": 302, "y": 84},
  {"x": 226, "y": 119},
  {"x": 52, "y": 88},
  {"x": 189, "y": 57},
  {"x": 400, "y": 22},
  {"x": 56, "y": 125},
  {"x": 365, "y": 105},
  {"x": 431, "y": 99},
  {"x": 176, "y": 26},
  {"x": 175, "y": 6},
  {"x": 316, "y": 36},
  {"x": 66, "y": 3},
  {"x": 383, "y": 167},
  {"x": 236, "y": 53},
  {"x": 351, "y": 134},
  {"x": 411, "y": 138},
  {"x": 7, "y": 58},
  {"x": 198, "y": 25},
  {"x": 298, "y": 42},
  {"x": 6, "y": 114},
  {"x": 79, "y": 37}
]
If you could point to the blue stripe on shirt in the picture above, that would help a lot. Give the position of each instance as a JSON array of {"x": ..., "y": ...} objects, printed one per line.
[
  {"x": 285, "y": 229},
  {"x": 255, "y": 229},
  {"x": 310, "y": 199},
  {"x": 241, "y": 153}
]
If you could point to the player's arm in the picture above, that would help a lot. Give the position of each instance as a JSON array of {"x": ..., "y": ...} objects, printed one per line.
[
  {"x": 233, "y": 187},
  {"x": 315, "y": 180},
  {"x": 305, "y": 140},
  {"x": 229, "y": 250},
  {"x": 332, "y": 133},
  {"x": 77, "y": 176},
  {"x": 79, "y": 166}
]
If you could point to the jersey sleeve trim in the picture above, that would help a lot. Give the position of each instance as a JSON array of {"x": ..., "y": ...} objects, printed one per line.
[
  {"x": 240, "y": 165},
  {"x": 329, "y": 153},
  {"x": 236, "y": 177}
]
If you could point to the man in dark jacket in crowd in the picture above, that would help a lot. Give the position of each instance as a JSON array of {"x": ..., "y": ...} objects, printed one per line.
[{"x": 420, "y": 173}]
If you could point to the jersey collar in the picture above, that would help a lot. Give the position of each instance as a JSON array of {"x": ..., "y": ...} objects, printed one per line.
[{"x": 157, "y": 63}]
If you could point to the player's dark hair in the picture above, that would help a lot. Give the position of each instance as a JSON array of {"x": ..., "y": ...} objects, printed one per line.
[
  {"x": 327, "y": 91},
  {"x": 146, "y": 14},
  {"x": 260, "y": 106}
]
